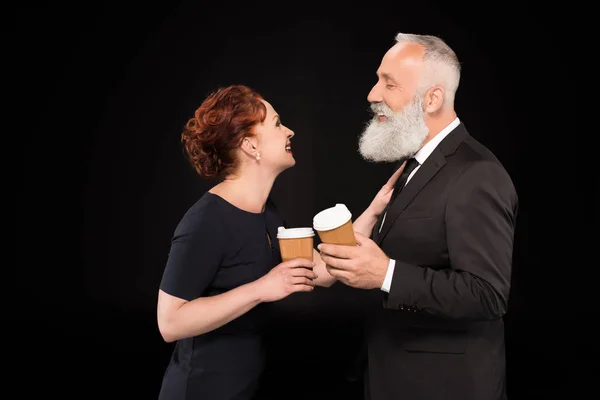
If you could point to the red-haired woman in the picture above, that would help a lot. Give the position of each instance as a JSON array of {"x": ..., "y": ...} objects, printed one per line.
[{"x": 224, "y": 262}]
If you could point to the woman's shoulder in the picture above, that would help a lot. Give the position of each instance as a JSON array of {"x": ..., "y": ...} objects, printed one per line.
[
  {"x": 206, "y": 206},
  {"x": 206, "y": 211}
]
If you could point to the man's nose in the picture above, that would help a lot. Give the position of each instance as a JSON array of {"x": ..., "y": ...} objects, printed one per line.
[{"x": 375, "y": 95}]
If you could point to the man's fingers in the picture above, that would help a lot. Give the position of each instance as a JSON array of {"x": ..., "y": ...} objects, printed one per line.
[
  {"x": 339, "y": 274},
  {"x": 337, "y": 263},
  {"x": 337, "y": 250}
]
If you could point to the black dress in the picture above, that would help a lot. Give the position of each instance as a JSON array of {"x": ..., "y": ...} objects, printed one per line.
[{"x": 215, "y": 248}]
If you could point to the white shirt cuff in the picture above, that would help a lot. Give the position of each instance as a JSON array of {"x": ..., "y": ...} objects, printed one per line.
[{"x": 387, "y": 282}]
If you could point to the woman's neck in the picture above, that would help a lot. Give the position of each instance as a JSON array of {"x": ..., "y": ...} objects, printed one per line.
[{"x": 248, "y": 191}]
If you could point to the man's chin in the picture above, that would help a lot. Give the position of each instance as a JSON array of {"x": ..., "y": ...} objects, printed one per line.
[
  {"x": 378, "y": 123},
  {"x": 378, "y": 158}
]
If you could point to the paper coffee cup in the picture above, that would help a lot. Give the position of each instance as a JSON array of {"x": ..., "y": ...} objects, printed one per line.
[
  {"x": 334, "y": 225},
  {"x": 296, "y": 242}
]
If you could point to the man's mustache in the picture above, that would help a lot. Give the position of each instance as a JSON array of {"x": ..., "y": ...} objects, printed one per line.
[{"x": 380, "y": 109}]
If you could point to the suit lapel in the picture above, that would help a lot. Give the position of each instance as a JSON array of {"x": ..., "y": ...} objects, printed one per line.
[
  {"x": 423, "y": 175},
  {"x": 431, "y": 166}
]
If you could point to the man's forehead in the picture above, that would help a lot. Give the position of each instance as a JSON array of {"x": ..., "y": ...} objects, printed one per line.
[{"x": 399, "y": 57}]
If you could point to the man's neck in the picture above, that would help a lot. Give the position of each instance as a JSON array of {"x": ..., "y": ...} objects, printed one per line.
[{"x": 438, "y": 122}]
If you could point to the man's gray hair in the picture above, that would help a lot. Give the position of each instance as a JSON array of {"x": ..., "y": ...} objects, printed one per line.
[{"x": 441, "y": 65}]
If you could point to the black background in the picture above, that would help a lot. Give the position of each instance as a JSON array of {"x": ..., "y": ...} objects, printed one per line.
[{"x": 101, "y": 93}]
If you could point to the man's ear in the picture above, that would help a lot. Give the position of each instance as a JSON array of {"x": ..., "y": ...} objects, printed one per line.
[{"x": 434, "y": 99}]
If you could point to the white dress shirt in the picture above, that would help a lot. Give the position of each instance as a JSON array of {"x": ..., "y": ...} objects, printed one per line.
[{"x": 420, "y": 156}]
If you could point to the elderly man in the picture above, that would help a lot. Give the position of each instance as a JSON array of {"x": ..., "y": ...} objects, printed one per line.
[{"x": 440, "y": 253}]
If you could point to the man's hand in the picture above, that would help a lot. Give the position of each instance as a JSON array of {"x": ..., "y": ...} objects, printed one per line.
[{"x": 362, "y": 266}]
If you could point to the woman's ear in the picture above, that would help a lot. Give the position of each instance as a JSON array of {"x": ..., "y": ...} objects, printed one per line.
[{"x": 249, "y": 146}]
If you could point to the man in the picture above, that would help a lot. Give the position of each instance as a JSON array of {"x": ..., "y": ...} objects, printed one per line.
[{"x": 440, "y": 254}]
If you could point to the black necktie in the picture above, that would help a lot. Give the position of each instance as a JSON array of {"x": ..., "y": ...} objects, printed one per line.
[{"x": 411, "y": 164}]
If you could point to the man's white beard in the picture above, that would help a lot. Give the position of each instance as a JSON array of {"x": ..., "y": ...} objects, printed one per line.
[{"x": 401, "y": 136}]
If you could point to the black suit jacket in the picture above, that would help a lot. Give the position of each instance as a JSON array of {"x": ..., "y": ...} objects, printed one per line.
[{"x": 439, "y": 333}]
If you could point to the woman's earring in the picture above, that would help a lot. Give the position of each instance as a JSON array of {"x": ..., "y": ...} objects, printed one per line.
[{"x": 257, "y": 156}]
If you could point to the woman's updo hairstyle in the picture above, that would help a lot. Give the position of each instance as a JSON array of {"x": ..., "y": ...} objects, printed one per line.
[{"x": 211, "y": 138}]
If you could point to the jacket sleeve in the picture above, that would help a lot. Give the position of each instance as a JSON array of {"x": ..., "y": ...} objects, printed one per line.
[{"x": 480, "y": 221}]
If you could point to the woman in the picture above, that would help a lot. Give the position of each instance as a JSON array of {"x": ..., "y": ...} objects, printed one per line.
[{"x": 224, "y": 263}]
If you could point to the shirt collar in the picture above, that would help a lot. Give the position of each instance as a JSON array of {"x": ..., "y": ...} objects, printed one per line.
[{"x": 426, "y": 150}]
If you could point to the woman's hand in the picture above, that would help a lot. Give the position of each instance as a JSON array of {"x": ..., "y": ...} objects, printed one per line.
[
  {"x": 286, "y": 278},
  {"x": 382, "y": 198}
]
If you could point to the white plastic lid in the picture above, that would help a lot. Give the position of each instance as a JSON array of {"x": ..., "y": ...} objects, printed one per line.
[
  {"x": 293, "y": 233},
  {"x": 332, "y": 218}
]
